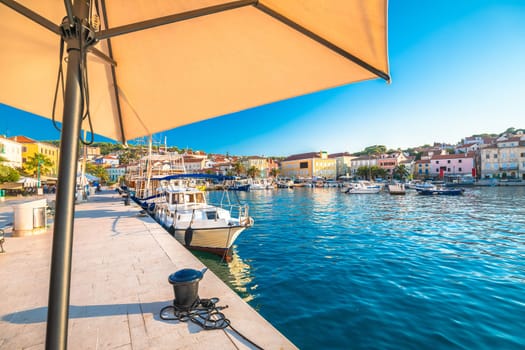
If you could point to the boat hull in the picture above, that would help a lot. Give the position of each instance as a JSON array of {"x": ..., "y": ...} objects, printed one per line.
[
  {"x": 438, "y": 192},
  {"x": 218, "y": 240}
]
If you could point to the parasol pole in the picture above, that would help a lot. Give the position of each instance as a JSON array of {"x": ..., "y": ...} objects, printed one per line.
[{"x": 60, "y": 278}]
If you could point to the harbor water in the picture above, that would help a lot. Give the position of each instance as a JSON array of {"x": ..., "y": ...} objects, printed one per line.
[{"x": 338, "y": 271}]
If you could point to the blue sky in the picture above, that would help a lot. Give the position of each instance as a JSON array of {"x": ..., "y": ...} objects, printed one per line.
[{"x": 457, "y": 69}]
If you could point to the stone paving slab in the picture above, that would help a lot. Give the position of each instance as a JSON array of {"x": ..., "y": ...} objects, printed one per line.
[{"x": 121, "y": 264}]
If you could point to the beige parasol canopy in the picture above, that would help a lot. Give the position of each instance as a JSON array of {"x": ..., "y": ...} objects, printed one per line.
[
  {"x": 212, "y": 57},
  {"x": 143, "y": 66}
]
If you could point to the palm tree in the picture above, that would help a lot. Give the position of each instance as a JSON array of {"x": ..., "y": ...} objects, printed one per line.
[
  {"x": 253, "y": 172},
  {"x": 400, "y": 172},
  {"x": 274, "y": 172},
  {"x": 239, "y": 168}
]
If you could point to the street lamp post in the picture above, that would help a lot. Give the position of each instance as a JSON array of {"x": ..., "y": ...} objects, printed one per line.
[{"x": 38, "y": 173}]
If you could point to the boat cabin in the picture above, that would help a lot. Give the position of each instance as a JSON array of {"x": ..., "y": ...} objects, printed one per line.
[{"x": 177, "y": 198}]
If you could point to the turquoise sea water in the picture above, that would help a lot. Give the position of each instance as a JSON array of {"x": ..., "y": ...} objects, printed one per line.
[{"x": 338, "y": 271}]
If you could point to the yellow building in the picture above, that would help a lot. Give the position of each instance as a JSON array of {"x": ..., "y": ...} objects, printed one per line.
[
  {"x": 30, "y": 147},
  {"x": 260, "y": 163},
  {"x": 309, "y": 165}
]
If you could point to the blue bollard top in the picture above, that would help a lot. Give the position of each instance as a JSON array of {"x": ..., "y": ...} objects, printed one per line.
[{"x": 185, "y": 276}]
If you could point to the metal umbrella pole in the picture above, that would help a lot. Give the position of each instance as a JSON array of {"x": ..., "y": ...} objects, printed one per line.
[{"x": 60, "y": 278}]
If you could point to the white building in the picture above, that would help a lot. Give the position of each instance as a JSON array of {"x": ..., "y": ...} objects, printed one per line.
[
  {"x": 194, "y": 165},
  {"x": 11, "y": 152},
  {"x": 362, "y": 161}
]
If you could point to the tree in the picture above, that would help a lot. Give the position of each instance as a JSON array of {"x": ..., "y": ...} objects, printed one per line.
[
  {"x": 400, "y": 172},
  {"x": 38, "y": 163},
  {"x": 8, "y": 174},
  {"x": 239, "y": 168},
  {"x": 98, "y": 171},
  {"x": 364, "y": 172},
  {"x": 375, "y": 150},
  {"x": 371, "y": 172},
  {"x": 274, "y": 172},
  {"x": 253, "y": 172}
]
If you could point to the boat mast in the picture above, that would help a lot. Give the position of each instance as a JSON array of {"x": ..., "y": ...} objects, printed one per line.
[{"x": 148, "y": 169}]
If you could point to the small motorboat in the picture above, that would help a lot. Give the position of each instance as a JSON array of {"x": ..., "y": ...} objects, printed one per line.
[{"x": 444, "y": 191}]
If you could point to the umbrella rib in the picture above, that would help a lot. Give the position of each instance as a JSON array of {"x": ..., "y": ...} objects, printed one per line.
[
  {"x": 130, "y": 28},
  {"x": 35, "y": 17},
  {"x": 322, "y": 41},
  {"x": 114, "y": 78},
  {"x": 102, "y": 55}
]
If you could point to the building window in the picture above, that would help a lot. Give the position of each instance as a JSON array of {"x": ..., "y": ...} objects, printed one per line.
[
  {"x": 487, "y": 156},
  {"x": 495, "y": 156},
  {"x": 303, "y": 165},
  {"x": 437, "y": 161},
  {"x": 460, "y": 170},
  {"x": 448, "y": 161},
  {"x": 460, "y": 160}
]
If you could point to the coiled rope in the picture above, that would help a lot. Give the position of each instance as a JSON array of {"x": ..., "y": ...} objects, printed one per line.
[{"x": 203, "y": 312}]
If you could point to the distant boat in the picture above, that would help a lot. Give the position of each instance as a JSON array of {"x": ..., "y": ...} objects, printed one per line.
[
  {"x": 261, "y": 184},
  {"x": 362, "y": 187},
  {"x": 398, "y": 189},
  {"x": 240, "y": 185},
  {"x": 440, "y": 191},
  {"x": 285, "y": 183}
]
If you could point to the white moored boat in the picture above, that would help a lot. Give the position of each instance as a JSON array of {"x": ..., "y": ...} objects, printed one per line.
[
  {"x": 362, "y": 187},
  {"x": 196, "y": 224}
]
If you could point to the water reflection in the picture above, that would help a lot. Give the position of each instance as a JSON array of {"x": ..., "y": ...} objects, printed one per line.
[{"x": 236, "y": 273}]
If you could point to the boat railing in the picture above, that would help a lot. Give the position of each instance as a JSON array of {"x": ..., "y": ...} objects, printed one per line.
[{"x": 238, "y": 211}]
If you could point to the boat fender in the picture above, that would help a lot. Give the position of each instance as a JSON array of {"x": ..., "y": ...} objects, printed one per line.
[
  {"x": 188, "y": 236},
  {"x": 171, "y": 230},
  {"x": 151, "y": 207}
]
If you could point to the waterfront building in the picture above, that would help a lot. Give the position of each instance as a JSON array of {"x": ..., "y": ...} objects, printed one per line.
[
  {"x": 116, "y": 172},
  {"x": 390, "y": 161},
  {"x": 259, "y": 163},
  {"x": 309, "y": 165},
  {"x": 343, "y": 163},
  {"x": 107, "y": 161},
  {"x": 92, "y": 152},
  {"x": 421, "y": 169},
  {"x": 195, "y": 154},
  {"x": 224, "y": 168},
  {"x": 272, "y": 164},
  {"x": 31, "y": 147},
  {"x": 409, "y": 164},
  {"x": 504, "y": 159},
  {"x": 453, "y": 164},
  {"x": 11, "y": 152},
  {"x": 194, "y": 164},
  {"x": 356, "y": 163}
]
